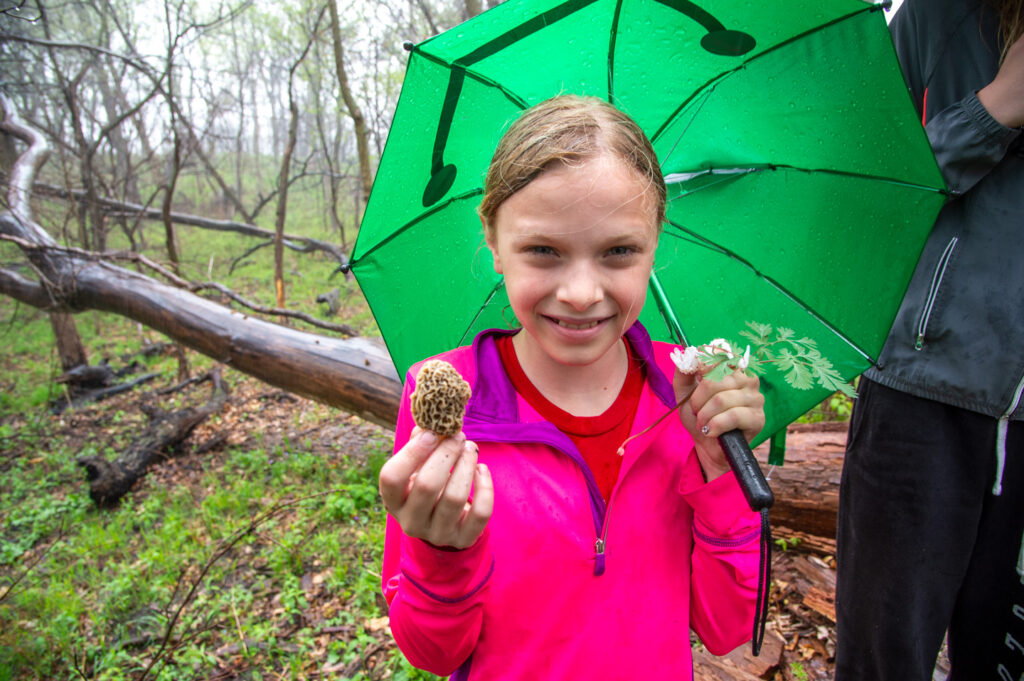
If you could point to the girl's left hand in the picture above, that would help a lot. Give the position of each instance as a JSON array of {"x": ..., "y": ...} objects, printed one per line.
[{"x": 716, "y": 407}]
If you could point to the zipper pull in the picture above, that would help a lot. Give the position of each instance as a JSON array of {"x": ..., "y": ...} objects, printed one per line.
[{"x": 599, "y": 557}]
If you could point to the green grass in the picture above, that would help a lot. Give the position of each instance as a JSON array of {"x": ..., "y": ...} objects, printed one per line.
[
  {"x": 258, "y": 561},
  {"x": 282, "y": 543}
]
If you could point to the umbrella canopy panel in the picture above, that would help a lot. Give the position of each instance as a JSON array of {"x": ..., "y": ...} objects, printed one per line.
[{"x": 801, "y": 185}]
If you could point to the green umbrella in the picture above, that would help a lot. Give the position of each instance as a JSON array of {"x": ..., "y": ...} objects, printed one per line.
[{"x": 801, "y": 185}]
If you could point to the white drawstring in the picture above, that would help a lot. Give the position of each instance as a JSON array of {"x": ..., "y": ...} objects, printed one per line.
[
  {"x": 1004, "y": 423},
  {"x": 1020, "y": 561}
]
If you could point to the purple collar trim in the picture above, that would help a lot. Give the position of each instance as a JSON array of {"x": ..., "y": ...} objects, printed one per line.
[{"x": 494, "y": 398}]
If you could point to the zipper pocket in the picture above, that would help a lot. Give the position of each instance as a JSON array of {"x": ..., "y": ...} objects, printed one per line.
[{"x": 933, "y": 292}]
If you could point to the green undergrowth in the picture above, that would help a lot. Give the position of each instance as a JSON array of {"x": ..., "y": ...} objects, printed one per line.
[
  {"x": 257, "y": 560},
  {"x": 260, "y": 561}
]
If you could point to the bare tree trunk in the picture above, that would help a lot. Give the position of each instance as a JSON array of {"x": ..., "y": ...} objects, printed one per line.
[
  {"x": 69, "y": 343},
  {"x": 332, "y": 182},
  {"x": 170, "y": 236},
  {"x": 8, "y": 152},
  {"x": 282, "y": 197},
  {"x": 472, "y": 8},
  {"x": 89, "y": 215},
  {"x": 256, "y": 136},
  {"x": 286, "y": 160},
  {"x": 239, "y": 144},
  {"x": 354, "y": 112},
  {"x": 428, "y": 15}
]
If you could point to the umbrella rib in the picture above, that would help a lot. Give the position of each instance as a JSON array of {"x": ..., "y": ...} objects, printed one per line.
[
  {"x": 729, "y": 174},
  {"x": 513, "y": 35},
  {"x": 512, "y": 96},
  {"x": 613, "y": 36},
  {"x": 494, "y": 291},
  {"x": 419, "y": 218},
  {"x": 708, "y": 243},
  {"x": 773, "y": 48}
]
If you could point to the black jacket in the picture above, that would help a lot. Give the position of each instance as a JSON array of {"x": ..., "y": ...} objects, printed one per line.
[{"x": 959, "y": 335}]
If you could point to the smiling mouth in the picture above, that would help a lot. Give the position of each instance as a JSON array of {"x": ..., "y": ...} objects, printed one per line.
[{"x": 576, "y": 327}]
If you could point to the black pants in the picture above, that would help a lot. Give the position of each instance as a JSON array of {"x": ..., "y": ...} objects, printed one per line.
[{"x": 923, "y": 544}]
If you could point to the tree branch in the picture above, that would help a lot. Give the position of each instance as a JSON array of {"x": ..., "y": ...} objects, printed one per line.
[
  {"x": 113, "y": 206},
  {"x": 25, "y": 290}
]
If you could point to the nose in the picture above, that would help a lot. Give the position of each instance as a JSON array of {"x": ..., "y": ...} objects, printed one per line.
[{"x": 580, "y": 287}]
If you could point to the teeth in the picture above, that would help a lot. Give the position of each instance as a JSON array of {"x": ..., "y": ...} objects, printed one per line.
[{"x": 577, "y": 327}]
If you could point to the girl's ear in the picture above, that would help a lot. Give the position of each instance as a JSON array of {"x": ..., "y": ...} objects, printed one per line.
[{"x": 492, "y": 244}]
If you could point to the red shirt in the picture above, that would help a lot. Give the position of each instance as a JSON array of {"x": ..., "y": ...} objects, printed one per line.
[{"x": 597, "y": 437}]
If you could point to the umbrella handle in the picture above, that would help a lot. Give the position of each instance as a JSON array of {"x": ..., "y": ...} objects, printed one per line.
[{"x": 748, "y": 472}]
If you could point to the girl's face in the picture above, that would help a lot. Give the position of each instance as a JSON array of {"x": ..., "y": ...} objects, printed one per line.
[{"x": 576, "y": 247}]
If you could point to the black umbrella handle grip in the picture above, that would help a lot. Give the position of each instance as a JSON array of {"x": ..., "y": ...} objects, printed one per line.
[{"x": 748, "y": 472}]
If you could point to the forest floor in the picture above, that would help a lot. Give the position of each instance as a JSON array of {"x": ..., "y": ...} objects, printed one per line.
[
  {"x": 800, "y": 640},
  {"x": 322, "y": 626}
]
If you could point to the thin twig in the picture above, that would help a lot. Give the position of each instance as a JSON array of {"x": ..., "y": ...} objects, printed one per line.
[
  {"x": 31, "y": 566},
  {"x": 222, "y": 549},
  {"x": 278, "y": 311}
]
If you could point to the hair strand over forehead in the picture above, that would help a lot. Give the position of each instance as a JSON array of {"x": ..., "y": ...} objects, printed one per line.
[{"x": 567, "y": 129}]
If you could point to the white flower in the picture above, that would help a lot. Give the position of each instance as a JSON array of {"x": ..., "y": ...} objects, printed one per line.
[
  {"x": 686, "y": 361},
  {"x": 744, "y": 360},
  {"x": 723, "y": 345}
]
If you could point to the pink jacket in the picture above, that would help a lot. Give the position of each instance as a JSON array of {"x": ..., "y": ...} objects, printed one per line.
[{"x": 559, "y": 586}]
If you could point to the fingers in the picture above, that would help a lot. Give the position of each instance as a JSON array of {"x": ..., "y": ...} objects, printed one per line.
[
  {"x": 684, "y": 384},
  {"x": 398, "y": 471},
  {"x": 478, "y": 511},
  {"x": 416, "y": 513},
  {"x": 452, "y": 500},
  {"x": 733, "y": 403},
  {"x": 437, "y": 491}
]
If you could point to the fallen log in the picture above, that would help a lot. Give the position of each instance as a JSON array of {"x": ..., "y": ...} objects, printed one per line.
[
  {"x": 110, "y": 480},
  {"x": 740, "y": 664},
  {"x": 354, "y": 374},
  {"x": 806, "y": 488}
]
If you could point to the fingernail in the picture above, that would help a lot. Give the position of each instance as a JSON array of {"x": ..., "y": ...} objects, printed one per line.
[{"x": 428, "y": 438}]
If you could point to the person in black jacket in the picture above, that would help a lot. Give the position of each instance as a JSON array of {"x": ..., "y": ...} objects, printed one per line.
[{"x": 931, "y": 506}]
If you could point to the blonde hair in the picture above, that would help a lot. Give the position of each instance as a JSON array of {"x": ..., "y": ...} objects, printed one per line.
[
  {"x": 1010, "y": 15},
  {"x": 567, "y": 129},
  {"x": 1011, "y": 25}
]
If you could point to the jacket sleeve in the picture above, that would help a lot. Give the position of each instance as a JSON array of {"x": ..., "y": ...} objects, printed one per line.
[
  {"x": 966, "y": 140},
  {"x": 724, "y": 563},
  {"x": 435, "y": 596}
]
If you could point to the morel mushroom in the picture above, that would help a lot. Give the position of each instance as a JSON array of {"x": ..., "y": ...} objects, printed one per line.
[{"x": 440, "y": 398}]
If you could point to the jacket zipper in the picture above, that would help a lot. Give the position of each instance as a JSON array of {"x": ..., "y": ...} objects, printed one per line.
[
  {"x": 601, "y": 541},
  {"x": 560, "y": 443},
  {"x": 933, "y": 292}
]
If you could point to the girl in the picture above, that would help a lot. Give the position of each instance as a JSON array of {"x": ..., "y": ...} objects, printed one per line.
[{"x": 526, "y": 547}]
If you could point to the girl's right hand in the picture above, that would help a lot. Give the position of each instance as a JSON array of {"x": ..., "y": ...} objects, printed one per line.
[{"x": 437, "y": 491}]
